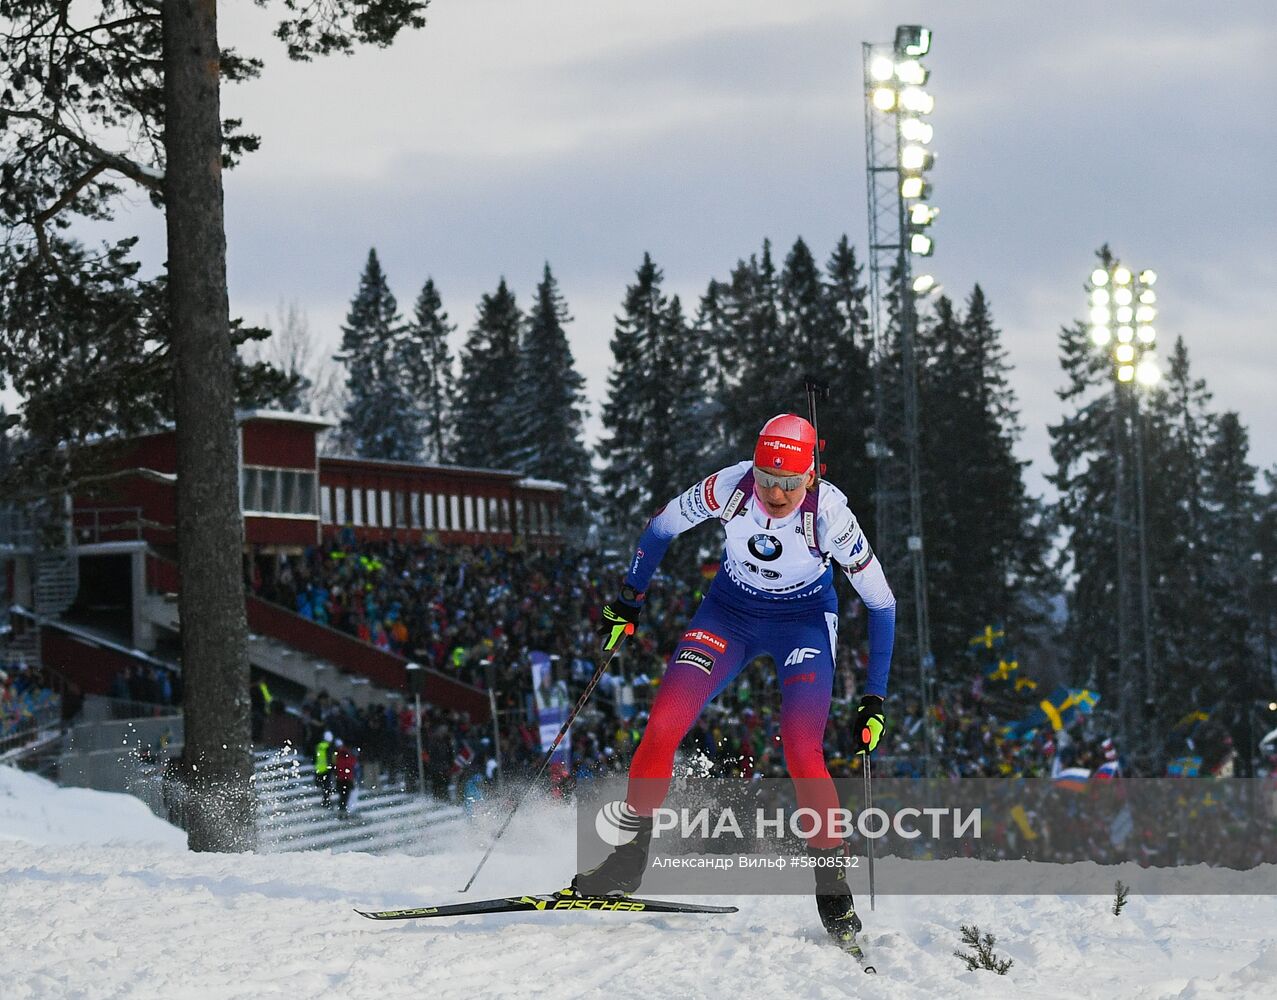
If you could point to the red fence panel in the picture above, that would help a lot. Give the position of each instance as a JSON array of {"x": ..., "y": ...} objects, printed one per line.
[{"x": 353, "y": 656}]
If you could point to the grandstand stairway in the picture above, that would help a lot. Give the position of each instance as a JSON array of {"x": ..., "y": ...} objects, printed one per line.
[
  {"x": 57, "y": 581},
  {"x": 292, "y": 818}
]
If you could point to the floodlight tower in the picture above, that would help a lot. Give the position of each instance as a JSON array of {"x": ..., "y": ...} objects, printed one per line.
[
  {"x": 897, "y": 158},
  {"x": 1123, "y": 308}
]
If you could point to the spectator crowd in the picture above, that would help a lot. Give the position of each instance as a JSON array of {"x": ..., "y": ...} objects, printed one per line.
[
  {"x": 27, "y": 702},
  {"x": 477, "y": 613}
]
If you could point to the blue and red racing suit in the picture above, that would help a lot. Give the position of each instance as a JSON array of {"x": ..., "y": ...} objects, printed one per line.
[{"x": 774, "y": 595}]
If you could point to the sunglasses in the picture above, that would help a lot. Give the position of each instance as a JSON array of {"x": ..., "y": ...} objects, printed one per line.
[{"x": 767, "y": 480}]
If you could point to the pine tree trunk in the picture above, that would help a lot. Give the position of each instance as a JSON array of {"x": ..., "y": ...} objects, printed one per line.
[{"x": 217, "y": 761}]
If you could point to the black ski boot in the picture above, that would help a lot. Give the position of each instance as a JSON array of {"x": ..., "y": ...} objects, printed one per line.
[
  {"x": 621, "y": 871},
  {"x": 833, "y": 898}
]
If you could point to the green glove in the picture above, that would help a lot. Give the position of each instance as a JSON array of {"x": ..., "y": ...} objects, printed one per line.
[
  {"x": 617, "y": 622},
  {"x": 869, "y": 724}
]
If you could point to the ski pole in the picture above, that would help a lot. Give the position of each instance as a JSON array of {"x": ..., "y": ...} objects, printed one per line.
[
  {"x": 869, "y": 843},
  {"x": 545, "y": 760}
]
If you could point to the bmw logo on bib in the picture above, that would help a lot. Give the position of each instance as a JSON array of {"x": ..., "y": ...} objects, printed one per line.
[{"x": 765, "y": 547}]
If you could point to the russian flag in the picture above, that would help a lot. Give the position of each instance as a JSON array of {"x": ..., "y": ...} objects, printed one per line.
[
  {"x": 1073, "y": 779},
  {"x": 1108, "y": 770}
]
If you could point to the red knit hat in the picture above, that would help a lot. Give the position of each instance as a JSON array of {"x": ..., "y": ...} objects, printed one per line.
[{"x": 786, "y": 444}]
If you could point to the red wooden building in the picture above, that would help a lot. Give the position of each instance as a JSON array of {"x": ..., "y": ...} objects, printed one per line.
[{"x": 121, "y": 543}]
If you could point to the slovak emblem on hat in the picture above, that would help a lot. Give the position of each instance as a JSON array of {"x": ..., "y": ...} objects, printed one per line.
[{"x": 777, "y": 461}]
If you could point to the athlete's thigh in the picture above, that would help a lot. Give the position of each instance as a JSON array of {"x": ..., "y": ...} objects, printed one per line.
[
  {"x": 804, "y": 651},
  {"x": 709, "y": 654}
]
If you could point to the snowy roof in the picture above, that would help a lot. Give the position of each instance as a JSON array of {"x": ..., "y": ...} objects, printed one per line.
[
  {"x": 284, "y": 417},
  {"x": 542, "y": 484}
]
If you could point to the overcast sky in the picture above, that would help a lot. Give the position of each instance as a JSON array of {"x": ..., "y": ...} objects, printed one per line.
[{"x": 585, "y": 132}]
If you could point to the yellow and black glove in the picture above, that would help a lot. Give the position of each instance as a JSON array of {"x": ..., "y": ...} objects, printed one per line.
[
  {"x": 618, "y": 619},
  {"x": 869, "y": 724}
]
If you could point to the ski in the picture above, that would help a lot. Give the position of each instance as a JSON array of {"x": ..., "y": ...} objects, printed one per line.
[{"x": 555, "y": 902}]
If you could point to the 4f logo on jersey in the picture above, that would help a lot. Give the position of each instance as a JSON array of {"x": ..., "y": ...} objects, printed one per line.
[
  {"x": 799, "y": 654},
  {"x": 766, "y": 547}
]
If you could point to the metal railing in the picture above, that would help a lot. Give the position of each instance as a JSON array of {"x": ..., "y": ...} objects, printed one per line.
[
  {"x": 106, "y": 708},
  {"x": 35, "y": 728},
  {"x": 15, "y": 528},
  {"x": 122, "y": 524}
]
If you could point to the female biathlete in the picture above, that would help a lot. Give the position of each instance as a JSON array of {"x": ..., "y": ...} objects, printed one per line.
[{"x": 774, "y": 595}]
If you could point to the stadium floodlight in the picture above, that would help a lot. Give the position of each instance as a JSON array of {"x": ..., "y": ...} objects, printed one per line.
[
  {"x": 1148, "y": 277},
  {"x": 913, "y": 40},
  {"x": 914, "y": 187},
  {"x": 916, "y": 130},
  {"x": 917, "y": 100},
  {"x": 897, "y": 159},
  {"x": 1121, "y": 315},
  {"x": 1146, "y": 372},
  {"x": 911, "y": 72},
  {"x": 922, "y": 214},
  {"x": 882, "y": 69},
  {"x": 915, "y": 158},
  {"x": 1131, "y": 354},
  {"x": 884, "y": 98}
]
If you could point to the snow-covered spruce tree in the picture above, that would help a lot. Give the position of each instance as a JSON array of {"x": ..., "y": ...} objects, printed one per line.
[
  {"x": 1264, "y": 596},
  {"x": 484, "y": 403},
  {"x": 848, "y": 413},
  {"x": 656, "y": 391},
  {"x": 709, "y": 335},
  {"x": 549, "y": 411},
  {"x": 986, "y": 542},
  {"x": 426, "y": 364},
  {"x": 1082, "y": 449},
  {"x": 1178, "y": 426},
  {"x": 804, "y": 318},
  {"x": 147, "y": 75},
  {"x": 1230, "y": 548},
  {"x": 753, "y": 358},
  {"x": 633, "y": 405},
  {"x": 381, "y": 420},
  {"x": 949, "y": 440},
  {"x": 688, "y": 373}
]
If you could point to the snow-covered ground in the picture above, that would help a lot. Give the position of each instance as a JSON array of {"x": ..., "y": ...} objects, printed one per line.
[{"x": 100, "y": 899}]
